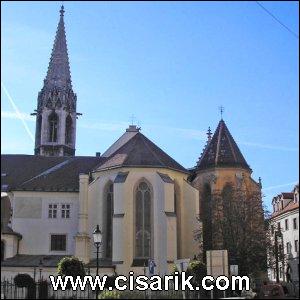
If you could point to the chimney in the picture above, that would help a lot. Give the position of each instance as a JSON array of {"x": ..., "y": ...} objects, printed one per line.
[
  {"x": 133, "y": 128},
  {"x": 98, "y": 154}
]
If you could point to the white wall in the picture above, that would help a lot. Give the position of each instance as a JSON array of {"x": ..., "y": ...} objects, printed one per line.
[{"x": 30, "y": 219}]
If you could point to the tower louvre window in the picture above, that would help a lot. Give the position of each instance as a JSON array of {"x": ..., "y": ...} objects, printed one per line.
[
  {"x": 53, "y": 126},
  {"x": 68, "y": 130}
]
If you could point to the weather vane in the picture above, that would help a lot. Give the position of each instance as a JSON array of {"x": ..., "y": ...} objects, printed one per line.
[{"x": 221, "y": 108}]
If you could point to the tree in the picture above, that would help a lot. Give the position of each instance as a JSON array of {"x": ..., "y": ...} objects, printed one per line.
[
  {"x": 70, "y": 266},
  {"x": 237, "y": 224}
]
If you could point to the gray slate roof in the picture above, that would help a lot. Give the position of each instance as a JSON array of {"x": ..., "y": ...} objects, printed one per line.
[
  {"x": 43, "y": 173},
  {"x": 222, "y": 151},
  {"x": 139, "y": 151}
]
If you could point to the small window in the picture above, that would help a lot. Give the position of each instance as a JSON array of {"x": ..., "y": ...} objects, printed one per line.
[
  {"x": 288, "y": 248},
  {"x": 278, "y": 226},
  {"x": 65, "y": 211},
  {"x": 52, "y": 211},
  {"x": 296, "y": 245},
  {"x": 58, "y": 242},
  {"x": 295, "y": 225},
  {"x": 286, "y": 224}
]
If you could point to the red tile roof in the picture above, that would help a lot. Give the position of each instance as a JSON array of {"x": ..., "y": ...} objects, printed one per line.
[{"x": 291, "y": 206}]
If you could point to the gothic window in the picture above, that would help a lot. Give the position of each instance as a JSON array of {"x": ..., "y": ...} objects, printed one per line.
[
  {"x": 109, "y": 198},
  {"x": 143, "y": 221},
  {"x": 53, "y": 126},
  {"x": 68, "y": 130}
]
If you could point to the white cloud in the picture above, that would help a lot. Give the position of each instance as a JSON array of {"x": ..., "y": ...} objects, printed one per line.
[
  {"x": 280, "y": 186},
  {"x": 14, "y": 115}
]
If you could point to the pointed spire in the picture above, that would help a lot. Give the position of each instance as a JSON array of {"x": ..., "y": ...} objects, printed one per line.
[
  {"x": 58, "y": 74},
  {"x": 222, "y": 151}
]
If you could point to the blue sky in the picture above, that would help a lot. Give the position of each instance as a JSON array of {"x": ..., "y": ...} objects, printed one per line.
[{"x": 171, "y": 65}]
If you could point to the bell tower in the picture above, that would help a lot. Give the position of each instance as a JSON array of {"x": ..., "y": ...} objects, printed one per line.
[{"x": 56, "y": 105}]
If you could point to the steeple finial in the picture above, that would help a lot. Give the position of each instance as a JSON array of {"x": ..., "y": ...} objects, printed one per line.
[
  {"x": 221, "y": 108},
  {"x": 62, "y": 11}
]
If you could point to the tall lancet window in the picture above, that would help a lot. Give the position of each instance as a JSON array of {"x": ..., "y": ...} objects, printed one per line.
[
  {"x": 109, "y": 199},
  {"x": 68, "y": 130},
  {"x": 53, "y": 125},
  {"x": 143, "y": 221}
]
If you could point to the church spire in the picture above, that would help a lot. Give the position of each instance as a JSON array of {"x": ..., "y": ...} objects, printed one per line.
[
  {"x": 56, "y": 110},
  {"x": 58, "y": 74},
  {"x": 221, "y": 151}
]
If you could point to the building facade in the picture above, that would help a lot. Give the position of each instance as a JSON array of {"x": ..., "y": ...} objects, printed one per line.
[
  {"x": 284, "y": 223},
  {"x": 146, "y": 204}
]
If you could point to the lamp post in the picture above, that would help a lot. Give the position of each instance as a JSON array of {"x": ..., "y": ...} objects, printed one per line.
[
  {"x": 97, "y": 236},
  {"x": 277, "y": 234},
  {"x": 41, "y": 268}
]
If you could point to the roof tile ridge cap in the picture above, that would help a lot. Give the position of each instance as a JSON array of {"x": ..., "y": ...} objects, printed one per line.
[
  {"x": 133, "y": 148},
  {"x": 205, "y": 151},
  {"x": 218, "y": 141},
  {"x": 121, "y": 146},
  {"x": 49, "y": 169},
  {"x": 229, "y": 137},
  {"x": 237, "y": 147},
  {"x": 116, "y": 152}
]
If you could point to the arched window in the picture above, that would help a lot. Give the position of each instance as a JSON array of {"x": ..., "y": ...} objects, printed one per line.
[
  {"x": 53, "y": 126},
  {"x": 2, "y": 250},
  {"x": 68, "y": 129},
  {"x": 109, "y": 199},
  {"x": 143, "y": 221}
]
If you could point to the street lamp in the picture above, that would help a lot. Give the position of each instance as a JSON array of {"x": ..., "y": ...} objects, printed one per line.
[
  {"x": 97, "y": 236},
  {"x": 41, "y": 268}
]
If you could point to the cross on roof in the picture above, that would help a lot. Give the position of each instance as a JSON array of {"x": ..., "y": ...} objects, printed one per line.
[
  {"x": 221, "y": 108},
  {"x": 132, "y": 118}
]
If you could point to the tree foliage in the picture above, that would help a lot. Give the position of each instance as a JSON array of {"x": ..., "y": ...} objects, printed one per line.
[
  {"x": 237, "y": 224},
  {"x": 70, "y": 266}
]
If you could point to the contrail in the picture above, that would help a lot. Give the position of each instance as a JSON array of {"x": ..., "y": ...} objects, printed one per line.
[
  {"x": 20, "y": 117},
  {"x": 279, "y": 186}
]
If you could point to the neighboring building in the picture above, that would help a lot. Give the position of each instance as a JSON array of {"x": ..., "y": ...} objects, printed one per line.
[{"x": 285, "y": 223}]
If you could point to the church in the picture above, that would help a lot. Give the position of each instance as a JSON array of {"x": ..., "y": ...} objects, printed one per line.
[{"x": 146, "y": 204}]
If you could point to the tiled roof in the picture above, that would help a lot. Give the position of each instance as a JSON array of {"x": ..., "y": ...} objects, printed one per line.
[
  {"x": 291, "y": 206},
  {"x": 42, "y": 173},
  {"x": 23, "y": 260},
  {"x": 222, "y": 151},
  {"x": 139, "y": 151}
]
